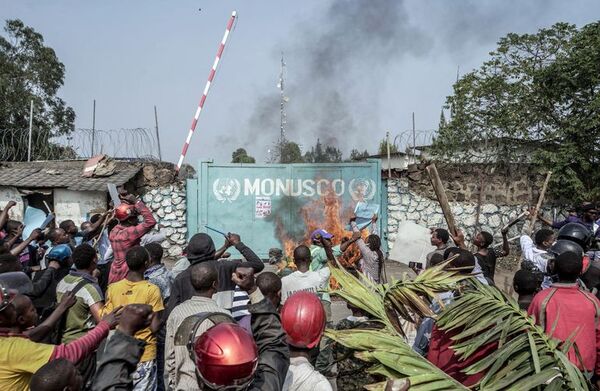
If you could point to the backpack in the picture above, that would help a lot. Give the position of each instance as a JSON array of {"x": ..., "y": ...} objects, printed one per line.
[{"x": 55, "y": 337}]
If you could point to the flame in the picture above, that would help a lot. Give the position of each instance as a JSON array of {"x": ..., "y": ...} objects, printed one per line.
[{"x": 325, "y": 212}]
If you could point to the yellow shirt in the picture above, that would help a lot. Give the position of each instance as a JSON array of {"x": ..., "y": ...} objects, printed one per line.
[
  {"x": 20, "y": 358},
  {"x": 142, "y": 292}
]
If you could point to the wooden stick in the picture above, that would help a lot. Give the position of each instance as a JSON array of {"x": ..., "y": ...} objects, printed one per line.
[
  {"x": 514, "y": 221},
  {"x": 539, "y": 203},
  {"x": 440, "y": 193}
]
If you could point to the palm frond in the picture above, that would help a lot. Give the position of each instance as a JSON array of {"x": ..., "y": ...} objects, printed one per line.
[
  {"x": 394, "y": 358},
  {"x": 525, "y": 358}
]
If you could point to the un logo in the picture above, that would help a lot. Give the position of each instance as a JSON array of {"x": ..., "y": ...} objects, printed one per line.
[
  {"x": 226, "y": 189},
  {"x": 362, "y": 189}
]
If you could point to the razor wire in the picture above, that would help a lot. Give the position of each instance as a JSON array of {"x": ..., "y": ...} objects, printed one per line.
[{"x": 136, "y": 143}]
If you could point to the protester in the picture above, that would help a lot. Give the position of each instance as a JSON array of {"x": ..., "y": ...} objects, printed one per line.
[
  {"x": 45, "y": 301},
  {"x": 9, "y": 263},
  {"x": 440, "y": 352},
  {"x": 71, "y": 231},
  {"x": 535, "y": 257},
  {"x": 526, "y": 284},
  {"x": 27, "y": 317},
  {"x": 86, "y": 313},
  {"x": 128, "y": 233},
  {"x": 565, "y": 307},
  {"x": 21, "y": 357},
  {"x": 251, "y": 364},
  {"x": 459, "y": 240},
  {"x": 303, "y": 320},
  {"x": 57, "y": 375},
  {"x": 270, "y": 286},
  {"x": 55, "y": 237},
  {"x": 179, "y": 367},
  {"x": 371, "y": 261},
  {"x": 439, "y": 239},
  {"x": 587, "y": 218},
  {"x": 156, "y": 272},
  {"x": 202, "y": 249},
  {"x": 304, "y": 279},
  {"x": 160, "y": 276},
  {"x": 133, "y": 289},
  {"x": 486, "y": 256}
]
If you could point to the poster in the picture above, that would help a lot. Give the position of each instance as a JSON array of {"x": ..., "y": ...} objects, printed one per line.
[
  {"x": 263, "y": 207},
  {"x": 364, "y": 212}
]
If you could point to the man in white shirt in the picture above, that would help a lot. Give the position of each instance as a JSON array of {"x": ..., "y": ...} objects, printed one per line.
[
  {"x": 536, "y": 254},
  {"x": 303, "y": 279}
]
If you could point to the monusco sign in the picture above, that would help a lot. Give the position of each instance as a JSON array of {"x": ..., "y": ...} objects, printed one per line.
[
  {"x": 263, "y": 202},
  {"x": 229, "y": 189}
]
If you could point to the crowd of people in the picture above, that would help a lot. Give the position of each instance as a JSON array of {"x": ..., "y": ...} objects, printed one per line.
[{"x": 95, "y": 308}]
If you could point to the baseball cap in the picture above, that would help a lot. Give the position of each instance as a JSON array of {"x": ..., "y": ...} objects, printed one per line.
[
  {"x": 324, "y": 234},
  {"x": 6, "y": 297}
]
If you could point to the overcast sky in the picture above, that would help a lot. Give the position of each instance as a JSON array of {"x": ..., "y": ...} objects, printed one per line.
[{"x": 354, "y": 68}]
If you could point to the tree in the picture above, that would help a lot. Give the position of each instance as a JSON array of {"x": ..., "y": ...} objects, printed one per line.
[
  {"x": 29, "y": 70},
  {"x": 356, "y": 155},
  {"x": 383, "y": 147},
  {"x": 539, "y": 88},
  {"x": 290, "y": 153},
  {"x": 241, "y": 156},
  {"x": 318, "y": 154}
]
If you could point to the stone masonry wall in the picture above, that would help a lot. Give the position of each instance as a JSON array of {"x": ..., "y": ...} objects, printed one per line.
[
  {"x": 407, "y": 204},
  {"x": 168, "y": 204}
]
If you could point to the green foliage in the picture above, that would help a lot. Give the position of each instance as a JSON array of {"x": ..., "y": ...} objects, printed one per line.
[
  {"x": 386, "y": 349},
  {"x": 29, "y": 70},
  {"x": 355, "y": 154},
  {"x": 525, "y": 358},
  {"x": 290, "y": 153},
  {"x": 318, "y": 154},
  {"x": 241, "y": 156},
  {"x": 383, "y": 148},
  {"x": 541, "y": 90}
]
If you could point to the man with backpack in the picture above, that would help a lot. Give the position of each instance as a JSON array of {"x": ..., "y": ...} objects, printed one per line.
[{"x": 86, "y": 312}]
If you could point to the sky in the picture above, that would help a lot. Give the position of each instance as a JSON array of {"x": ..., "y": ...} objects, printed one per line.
[{"x": 354, "y": 69}]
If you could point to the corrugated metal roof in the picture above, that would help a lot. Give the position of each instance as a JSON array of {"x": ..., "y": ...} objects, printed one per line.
[{"x": 62, "y": 174}]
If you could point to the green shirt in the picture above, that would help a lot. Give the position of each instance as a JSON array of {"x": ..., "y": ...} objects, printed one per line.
[
  {"x": 319, "y": 260},
  {"x": 79, "y": 318}
]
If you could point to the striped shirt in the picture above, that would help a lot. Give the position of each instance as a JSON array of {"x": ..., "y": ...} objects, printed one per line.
[
  {"x": 79, "y": 318},
  {"x": 239, "y": 309},
  {"x": 179, "y": 367}
]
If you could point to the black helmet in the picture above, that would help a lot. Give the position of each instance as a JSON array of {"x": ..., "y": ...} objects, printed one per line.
[
  {"x": 563, "y": 245},
  {"x": 577, "y": 233}
]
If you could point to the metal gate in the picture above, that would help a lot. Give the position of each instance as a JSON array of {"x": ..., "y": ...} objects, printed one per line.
[{"x": 276, "y": 205}]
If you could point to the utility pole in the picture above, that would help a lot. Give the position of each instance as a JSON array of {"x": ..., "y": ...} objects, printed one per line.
[
  {"x": 93, "y": 127},
  {"x": 30, "y": 130},
  {"x": 387, "y": 141},
  {"x": 283, "y": 100},
  {"x": 157, "y": 135},
  {"x": 414, "y": 139}
]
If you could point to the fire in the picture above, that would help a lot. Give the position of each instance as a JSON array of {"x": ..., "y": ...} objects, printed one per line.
[{"x": 327, "y": 213}]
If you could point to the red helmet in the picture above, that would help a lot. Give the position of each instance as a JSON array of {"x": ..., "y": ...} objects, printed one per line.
[
  {"x": 303, "y": 319},
  {"x": 124, "y": 211},
  {"x": 225, "y": 355}
]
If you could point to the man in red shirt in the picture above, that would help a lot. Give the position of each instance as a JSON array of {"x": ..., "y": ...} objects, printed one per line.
[
  {"x": 128, "y": 233},
  {"x": 572, "y": 309}
]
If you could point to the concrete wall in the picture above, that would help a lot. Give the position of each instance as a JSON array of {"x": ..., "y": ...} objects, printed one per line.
[
  {"x": 8, "y": 193},
  {"x": 77, "y": 205},
  {"x": 168, "y": 204}
]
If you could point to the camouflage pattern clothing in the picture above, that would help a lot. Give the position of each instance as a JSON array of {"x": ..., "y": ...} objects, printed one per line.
[{"x": 352, "y": 372}]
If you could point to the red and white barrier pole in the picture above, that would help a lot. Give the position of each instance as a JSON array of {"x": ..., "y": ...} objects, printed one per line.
[{"x": 211, "y": 76}]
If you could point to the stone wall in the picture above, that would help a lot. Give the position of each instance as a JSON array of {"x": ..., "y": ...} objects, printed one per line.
[
  {"x": 168, "y": 204},
  {"x": 406, "y": 203}
]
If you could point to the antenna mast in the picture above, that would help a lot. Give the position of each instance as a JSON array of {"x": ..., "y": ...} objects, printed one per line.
[{"x": 283, "y": 101}]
